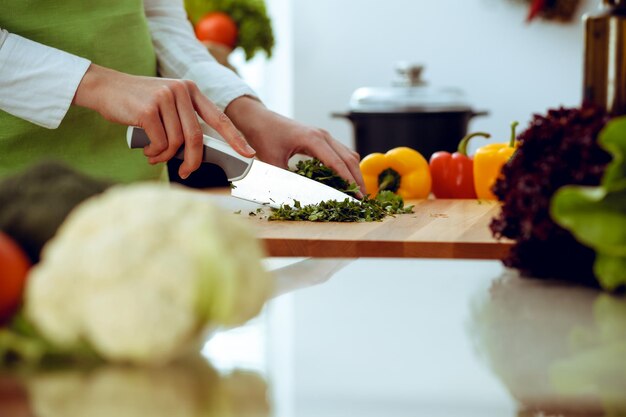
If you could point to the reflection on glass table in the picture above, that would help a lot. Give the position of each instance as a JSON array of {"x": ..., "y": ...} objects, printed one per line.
[
  {"x": 192, "y": 388},
  {"x": 454, "y": 338},
  {"x": 373, "y": 338},
  {"x": 557, "y": 348},
  {"x": 233, "y": 384}
]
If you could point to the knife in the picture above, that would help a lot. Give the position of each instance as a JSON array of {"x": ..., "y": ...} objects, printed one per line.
[{"x": 251, "y": 179}]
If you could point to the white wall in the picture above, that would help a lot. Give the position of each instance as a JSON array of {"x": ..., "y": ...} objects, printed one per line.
[{"x": 482, "y": 46}]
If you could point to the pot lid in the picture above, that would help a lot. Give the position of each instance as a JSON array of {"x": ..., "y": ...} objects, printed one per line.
[
  {"x": 409, "y": 94},
  {"x": 621, "y": 4}
]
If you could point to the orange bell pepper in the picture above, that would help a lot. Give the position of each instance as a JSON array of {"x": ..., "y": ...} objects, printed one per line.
[
  {"x": 488, "y": 162},
  {"x": 401, "y": 170},
  {"x": 453, "y": 174}
]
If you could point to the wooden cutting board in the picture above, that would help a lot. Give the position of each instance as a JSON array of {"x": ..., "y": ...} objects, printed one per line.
[{"x": 437, "y": 229}]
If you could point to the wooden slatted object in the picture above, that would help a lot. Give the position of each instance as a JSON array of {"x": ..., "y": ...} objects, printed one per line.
[{"x": 455, "y": 229}]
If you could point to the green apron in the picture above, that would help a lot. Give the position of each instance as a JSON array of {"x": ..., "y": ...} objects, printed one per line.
[{"x": 110, "y": 33}]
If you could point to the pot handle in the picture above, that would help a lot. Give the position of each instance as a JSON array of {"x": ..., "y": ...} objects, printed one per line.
[
  {"x": 479, "y": 113},
  {"x": 341, "y": 115}
]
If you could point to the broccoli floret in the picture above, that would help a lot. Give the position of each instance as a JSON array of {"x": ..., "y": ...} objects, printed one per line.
[{"x": 35, "y": 202}]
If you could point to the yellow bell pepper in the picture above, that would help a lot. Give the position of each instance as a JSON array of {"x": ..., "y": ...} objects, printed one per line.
[
  {"x": 488, "y": 162},
  {"x": 401, "y": 170}
]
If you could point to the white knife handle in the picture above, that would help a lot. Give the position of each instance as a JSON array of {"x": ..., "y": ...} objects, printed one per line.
[{"x": 215, "y": 152}]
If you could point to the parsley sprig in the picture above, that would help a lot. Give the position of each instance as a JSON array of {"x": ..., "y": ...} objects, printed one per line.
[
  {"x": 315, "y": 170},
  {"x": 368, "y": 210}
]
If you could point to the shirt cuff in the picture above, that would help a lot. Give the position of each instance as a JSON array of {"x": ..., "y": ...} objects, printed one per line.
[
  {"x": 218, "y": 83},
  {"x": 3, "y": 36},
  {"x": 38, "y": 82}
]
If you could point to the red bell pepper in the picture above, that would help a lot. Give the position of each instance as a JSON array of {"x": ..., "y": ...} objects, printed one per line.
[
  {"x": 535, "y": 8},
  {"x": 453, "y": 174}
]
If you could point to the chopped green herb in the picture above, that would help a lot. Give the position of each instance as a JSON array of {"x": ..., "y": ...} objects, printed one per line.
[
  {"x": 252, "y": 214},
  {"x": 368, "y": 210},
  {"x": 315, "y": 170},
  {"x": 232, "y": 186},
  {"x": 238, "y": 212}
]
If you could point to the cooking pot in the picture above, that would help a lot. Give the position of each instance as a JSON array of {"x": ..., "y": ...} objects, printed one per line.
[{"x": 410, "y": 113}]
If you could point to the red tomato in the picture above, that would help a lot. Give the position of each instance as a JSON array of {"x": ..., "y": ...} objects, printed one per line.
[
  {"x": 14, "y": 266},
  {"x": 217, "y": 27}
]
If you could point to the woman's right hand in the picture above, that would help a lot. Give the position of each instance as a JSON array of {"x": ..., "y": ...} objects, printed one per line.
[{"x": 166, "y": 109}]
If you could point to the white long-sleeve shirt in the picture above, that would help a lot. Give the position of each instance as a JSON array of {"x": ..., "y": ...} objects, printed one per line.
[{"x": 38, "y": 82}]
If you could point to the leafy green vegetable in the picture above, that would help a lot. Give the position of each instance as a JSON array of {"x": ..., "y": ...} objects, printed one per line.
[
  {"x": 558, "y": 148},
  {"x": 385, "y": 204},
  {"x": 596, "y": 216},
  {"x": 315, "y": 170},
  {"x": 254, "y": 26}
]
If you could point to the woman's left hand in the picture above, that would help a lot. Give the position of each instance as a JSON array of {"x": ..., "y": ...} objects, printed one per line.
[{"x": 277, "y": 138}]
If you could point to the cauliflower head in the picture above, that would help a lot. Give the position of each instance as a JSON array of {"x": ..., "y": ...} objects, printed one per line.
[{"x": 139, "y": 273}]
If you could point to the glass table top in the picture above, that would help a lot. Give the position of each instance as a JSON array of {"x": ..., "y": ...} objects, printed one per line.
[{"x": 388, "y": 338}]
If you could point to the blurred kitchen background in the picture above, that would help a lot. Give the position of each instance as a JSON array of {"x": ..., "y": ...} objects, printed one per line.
[
  {"x": 327, "y": 49},
  {"x": 392, "y": 337}
]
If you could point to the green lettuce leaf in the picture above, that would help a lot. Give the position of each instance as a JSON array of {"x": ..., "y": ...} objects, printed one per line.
[{"x": 596, "y": 216}]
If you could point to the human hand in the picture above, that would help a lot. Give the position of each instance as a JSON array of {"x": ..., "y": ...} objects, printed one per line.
[
  {"x": 166, "y": 109},
  {"x": 277, "y": 138}
]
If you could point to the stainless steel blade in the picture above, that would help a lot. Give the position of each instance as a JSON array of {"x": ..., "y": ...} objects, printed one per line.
[{"x": 272, "y": 186}]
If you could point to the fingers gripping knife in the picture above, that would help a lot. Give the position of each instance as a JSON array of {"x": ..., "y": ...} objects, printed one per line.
[{"x": 254, "y": 180}]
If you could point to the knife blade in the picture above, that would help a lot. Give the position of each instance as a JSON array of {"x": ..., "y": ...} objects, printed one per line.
[{"x": 251, "y": 179}]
